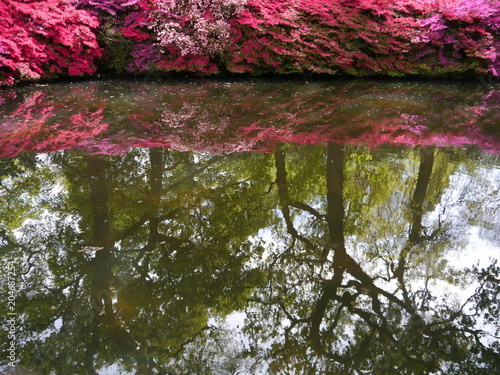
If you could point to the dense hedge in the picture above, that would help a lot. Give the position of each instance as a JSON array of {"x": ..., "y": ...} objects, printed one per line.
[{"x": 49, "y": 38}]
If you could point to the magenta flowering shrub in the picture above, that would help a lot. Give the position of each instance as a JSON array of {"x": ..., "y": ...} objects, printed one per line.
[
  {"x": 150, "y": 35},
  {"x": 128, "y": 43},
  {"x": 45, "y": 38},
  {"x": 99, "y": 7},
  {"x": 367, "y": 37},
  {"x": 458, "y": 35},
  {"x": 322, "y": 36},
  {"x": 354, "y": 37}
]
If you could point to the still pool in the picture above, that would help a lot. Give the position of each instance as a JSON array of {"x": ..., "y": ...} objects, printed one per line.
[{"x": 250, "y": 227}]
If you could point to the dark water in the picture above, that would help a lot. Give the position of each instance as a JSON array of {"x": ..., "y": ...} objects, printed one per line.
[{"x": 250, "y": 228}]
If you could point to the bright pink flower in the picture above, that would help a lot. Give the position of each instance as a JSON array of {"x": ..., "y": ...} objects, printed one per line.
[{"x": 44, "y": 37}]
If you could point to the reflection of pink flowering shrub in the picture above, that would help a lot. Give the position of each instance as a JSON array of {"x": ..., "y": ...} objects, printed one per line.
[
  {"x": 44, "y": 38},
  {"x": 42, "y": 122},
  {"x": 33, "y": 134},
  {"x": 198, "y": 117}
]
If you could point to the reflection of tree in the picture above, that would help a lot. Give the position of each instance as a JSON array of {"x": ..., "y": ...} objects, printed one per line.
[
  {"x": 134, "y": 258},
  {"x": 335, "y": 314},
  {"x": 105, "y": 322},
  {"x": 159, "y": 257}
]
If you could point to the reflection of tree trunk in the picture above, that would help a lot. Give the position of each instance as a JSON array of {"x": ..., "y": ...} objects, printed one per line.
[
  {"x": 342, "y": 262},
  {"x": 156, "y": 189},
  {"x": 100, "y": 292},
  {"x": 423, "y": 180},
  {"x": 281, "y": 181},
  {"x": 284, "y": 198},
  {"x": 101, "y": 263},
  {"x": 334, "y": 194},
  {"x": 335, "y": 222},
  {"x": 156, "y": 175},
  {"x": 335, "y": 215},
  {"x": 415, "y": 236},
  {"x": 416, "y": 208}
]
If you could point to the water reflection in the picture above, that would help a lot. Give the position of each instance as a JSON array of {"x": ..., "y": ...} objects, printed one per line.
[
  {"x": 335, "y": 258},
  {"x": 224, "y": 117}
]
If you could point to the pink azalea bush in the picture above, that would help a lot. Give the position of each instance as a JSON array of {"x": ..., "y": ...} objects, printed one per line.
[
  {"x": 150, "y": 35},
  {"x": 193, "y": 35},
  {"x": 45, "y": 38},
  {"x": 320, "y": 36},
  {"x": 367, "y": 37},
  {"x": 124, "y": 33},
  {"x": 463, "y": 34},
  {"x": 354, "y": 37}
]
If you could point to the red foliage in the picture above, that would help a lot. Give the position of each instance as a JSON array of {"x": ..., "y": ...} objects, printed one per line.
[
  {"x": 42, "y": 38},
  {"x": 357, "y": 37},
  {"x": 322, "y": 36},
  {"x": 460, "y": 32},
  {"x": 174, "y": 60},
  {"x": 366, "y": 37}
]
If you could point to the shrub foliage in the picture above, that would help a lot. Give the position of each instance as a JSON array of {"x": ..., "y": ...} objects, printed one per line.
[
  {"x": 44, "y": 38},
  {"x": 356, "y": 37}
]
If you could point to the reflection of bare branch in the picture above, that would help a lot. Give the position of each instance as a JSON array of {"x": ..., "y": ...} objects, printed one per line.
[
  {"x": 329, "y": 293},
  {"x": 278, "y": 301},
  {"x": 285, "y": 201},
  {"x": 5, "y": 187},
  {"x": 193, "y": 173},
  {"x": 307, "y": 208}
]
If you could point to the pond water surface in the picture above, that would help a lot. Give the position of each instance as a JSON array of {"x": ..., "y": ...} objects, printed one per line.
[{"x": 254, "y": 227}]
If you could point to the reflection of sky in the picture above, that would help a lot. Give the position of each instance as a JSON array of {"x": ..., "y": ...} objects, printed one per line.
[
  {"x": 477, "y": 227},
  {"x": 477, "y": 245}
]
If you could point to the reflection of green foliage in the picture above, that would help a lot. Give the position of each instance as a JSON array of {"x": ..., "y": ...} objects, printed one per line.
[
  {"x": 373, "y": 180},
  {"x": 170, "y": 227},
  {"x": 445, "y": 165},
  {"x": 186, "y": 253},
  {"x": 358, "y": 331},
  {"x": 14, "y": 167}
]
